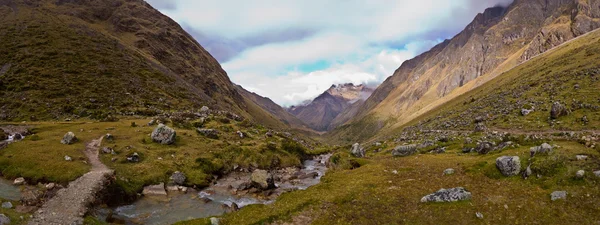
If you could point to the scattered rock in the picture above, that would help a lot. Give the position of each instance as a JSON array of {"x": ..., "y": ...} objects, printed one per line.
[
  {"x": 107, "y": 150},
  {"x": 158, "y": 189},
  {"x": 404, "y": 150},
  {"x": 581, "y": 157},
  {"x": 204, "y": 109},
  {"x": 484, "y": 147},
  {"x": 480, "y": 127},
  {"x": 449, "y": 171},
  {"x": 133, "y": 158},
  {"x": 542, "y": 149},
  {"x": 19, "y": 181},
  {"x": 525, "y": 112},
  {"x": 438, "y": 150},
  {"x": 4, "y": 220},
  {"x": 558, "y": 110},
  {"x": 68, "y": 158},
  {"x": 209, "y": 133},
  {"x": 509, "y": 165},
  {"x": 109, "y": 137},
  {"x": 214, "y": 221},
  {"x": 7, "y": 205},
  {"x": 31, "y": 196},
  {"x": 163, "y": 135},
  {"x": 479, "y": 215},
  {"x": 17, "y": 137},
  {"x": 50, "y": 186},
  {"x": 448, "y": 195},
  {"x": 178, "y": 178},
  {"x": 558, "y": 195},
  {"x": 585, "y": 119},
  {"x": 239, "y": 133},
  {"x": 69, "y": 138},
  {"x": 468, "y": 140},
  {"x": 262, "y": 179},
  {"x": 580, "y": 174},
  {"x": 479, "y": 119},
  {"x": 357, "y": 150},
  {"x": 152, "y": 123},
  {"x": 597, "y": 173}
]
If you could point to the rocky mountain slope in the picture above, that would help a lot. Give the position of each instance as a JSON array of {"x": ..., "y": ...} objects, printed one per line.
[
  {"x": 278, "y": 112},
  {"x": 497, "y": 40},
  {"x": 100, "y": 58},
  {"x": 321, "y": 112}
]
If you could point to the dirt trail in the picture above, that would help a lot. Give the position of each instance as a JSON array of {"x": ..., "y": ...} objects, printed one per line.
[{"x": 70, "y": 204}]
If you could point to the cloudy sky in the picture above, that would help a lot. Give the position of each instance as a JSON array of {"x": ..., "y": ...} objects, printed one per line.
[{"x": 291, "y": 51}]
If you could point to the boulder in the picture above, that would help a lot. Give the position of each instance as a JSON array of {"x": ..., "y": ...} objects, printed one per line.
[
  {"x": 449, "y": 171},
  {"x": 178, "y": 178},
  {"x": 262, "y": 179},
  {"x": 204, "y": 109},
  {"x": 133, "y": 158},
  {"x": 152, "y": 123},
  {"x": 68, "y": 158},
  {"x": 19, "y": 181},
  {"x": 558, "y": 110},
  {"x": 525, "y": 112},
  {"x": 7, "y": 205},
  {"x": 580, "y": 174},
  {"x": 4, "y": 220},
  {"x": 448, "y": 195},
  {"x": 558, "y": 195},
  {"x": 163, "y": 135},
  {"x": 209, "y": 133},
  {"x": 357, "y": 150},
  {"x": 214, "y": 221},
  {"x": 542, "y": 149},
  {"x": 69, "y": 138},
  {"x": 17, "y": 137},
  {"x": 509, "y": 165},
  {"x": 109, "y": 137},
  {"x": 158, "y": 190},
  {"x": 404, "y": 150},
  {"x": 480, "y": 127},
  {"x": 527, "y": 173},
  {"x": 484, "y": 147},
  {"x": 581, "y": 157}
]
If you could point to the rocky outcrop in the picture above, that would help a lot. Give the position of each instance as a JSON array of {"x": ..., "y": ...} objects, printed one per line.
[
  {"x": 164, "y": 135},
  {"x": 448, "y": 195},
  {"x": 558, "y": 110},
  {"x": 209, "y": 133},
  {"x": 558, "y": 195},
  {"x": 404, "y": 150},
  {"x": 262, "y": 179},
  {"x": 157, "y": 190},
  {"x": 69, "y": 138},
  {"x": 545, "y": 148},
  {"x": 357, "y": 150}
]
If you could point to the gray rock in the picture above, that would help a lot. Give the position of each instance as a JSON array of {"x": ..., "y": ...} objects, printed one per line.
[
  {"x": 107, "y": 150},
  {"x": 109, "y": 137},
  {"x": 19, "y": 181},
  {"x": 480, "y": 127},
  {"x": 404, "y": 150},
  {"x": 133, "y": 158},
  {"x": 585, "y": 119},
  {"x": 525, "y": 112},
  {"x": 357, "y": 150},
  {"x": 468, "y": 140},
  {"x": 163, "y": 135},
  {"x": 438, "y": 150},
  {"x": 484, "y": 147},
  {"x": 158, "y": 189},
  {"x": 542, "y": 149},
  {"x": 209, "y": 133},
  {"x": 7, "y": 205},
  {"x": 17, "y": 137},
  {"x": 509, "y": 165},
  {"x": 558, "y": 195},
  {"x": 69, "y": 138},
  {"x": 580, "y": 174},
  {"x": 448, "y": 195},
  {"x": 558, "y": 110},
  {"x": 479, "y": 215},
  {"x": 204, "y": 109},
  {"x": 178, "y": 178},
  {"x": 152, "y": 123},
  {"x": 239, "y": 133},
  {"x": 581, "y": 157},
  {"x": 68, "y": 158},
  {"x": 262, "y": 179},
  {"x": 527, "y": 173},
  {"x": 214, "y": 221},
  {"x": 449, "y": 171},
  {"x": 4, "y": 220}
]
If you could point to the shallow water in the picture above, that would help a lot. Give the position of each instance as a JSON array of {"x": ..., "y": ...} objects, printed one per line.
[
  {"x": 9, "y": 191},
  {"x": 177, "y": 207}
]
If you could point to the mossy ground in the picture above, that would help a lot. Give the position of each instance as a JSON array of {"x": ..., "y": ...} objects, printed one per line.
[
  {"x": 40, "y": 157},
  {"x": 373, "y": 194}
]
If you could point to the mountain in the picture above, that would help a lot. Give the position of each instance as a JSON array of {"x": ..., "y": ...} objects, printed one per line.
[
  {"x": 99, "y": 58},
  {"x": 496, "y": 41},
  {"x": 321, "y": 112}
]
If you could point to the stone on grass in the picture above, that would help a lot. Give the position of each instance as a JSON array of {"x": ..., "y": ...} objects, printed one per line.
[
  {"x": 580, "y": 174},
  {"x": 204, "y": 109},
  {"x": 558, "y": 195},
  {"x": 209, "y": 133},
  {"x": 69, "y": 138},
  {"x": 542, "y": 149},
  {"x": 448, "y": 195},
  {"x": 484, "y": 147},
  {"x": 178, "y": 178},
  {"x": 109, "y": 137},
  {"x": 163, "y": 135},
  {"x": 133, "y": 158},
  {"x": 581, "y": 157},
  {"x": 480, "y": 127},
  {"x": 449, "y": 171},
  {"x": 19, "y": 181},
  {"x": 7, "y": 205},
  {"x": 68, "y": 158},
  {"x": 158, "y": 189},
  {"x": 4, "y": 220},
  {"x": 262, "y": 179},
  {"x": 558, "y": 110},
  {"x": 509, "y": 165},
  {"x": 357, "y": 150},
  {"x": 597, "y": 173},
  {"x": 479, "y": 215},
  {"x": 214, "y": 221},
  {"x": 404, "y": 150}
]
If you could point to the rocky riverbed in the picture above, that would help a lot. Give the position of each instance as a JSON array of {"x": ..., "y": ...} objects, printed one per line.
[{"x": 228, "y": 194}]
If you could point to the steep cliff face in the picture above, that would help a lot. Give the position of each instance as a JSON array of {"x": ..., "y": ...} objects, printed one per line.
[
  {"x": 495, "y": 41},
  {"x": 323, "y": 110},
  {"x": 84, "y": 58}
]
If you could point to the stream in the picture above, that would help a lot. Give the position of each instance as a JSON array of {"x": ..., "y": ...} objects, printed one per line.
[
  {"x": 8, "y": 191},
  {"x": 211, "y": 201}
]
